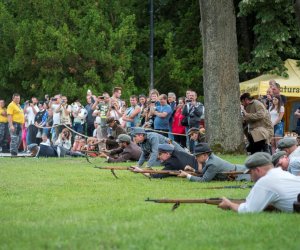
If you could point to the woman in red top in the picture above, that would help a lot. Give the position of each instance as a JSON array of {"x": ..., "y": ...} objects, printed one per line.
[{"x": 177, "y": 128}]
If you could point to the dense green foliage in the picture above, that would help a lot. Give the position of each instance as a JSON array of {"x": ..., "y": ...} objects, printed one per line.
[
  {"x": 67, "y": 204},
  {"x": 70, "y": 46}
]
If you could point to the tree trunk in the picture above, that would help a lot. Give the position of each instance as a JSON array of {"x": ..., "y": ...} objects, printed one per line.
[
  {"x": 221, "y": 82},
  {"x": 297, "y": 11}
]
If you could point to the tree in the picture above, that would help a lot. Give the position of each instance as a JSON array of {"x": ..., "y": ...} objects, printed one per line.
[{"x": 220, "y": 70}]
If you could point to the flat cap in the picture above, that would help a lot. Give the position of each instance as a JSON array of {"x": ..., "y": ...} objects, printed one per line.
[
  {"x": 124, "y": 138},
  {"x": 137, "y": 130},
  {"x": 165, "y": 148},
  {"x": 258, "y": 159},
  {"x": 286, "y": 142},
  {"x": 32, "y": 146},
  {"x": 276, "y": 157},
  {"x": 202, "y": 148},
  {"x": 193, "y": 130}
]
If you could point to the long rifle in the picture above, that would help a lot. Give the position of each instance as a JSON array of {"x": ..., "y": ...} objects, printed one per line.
[
  {"x": 177, "y": 202},
  {"x": 143, "y": 171},
  {"x": 210, "y": 201},
  {"x": 236, "y": 186}
]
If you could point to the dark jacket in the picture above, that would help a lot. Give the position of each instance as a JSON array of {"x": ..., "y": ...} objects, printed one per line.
[
  {"x": 193, "y": 113},
  {"x": 131, "y": 153},
  {"x": 111, "y": 140},
  {"x": 177, "y": 161}
]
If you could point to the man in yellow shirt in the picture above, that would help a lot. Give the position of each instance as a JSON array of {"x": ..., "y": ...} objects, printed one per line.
[
  {"x": 15, "y": 117},
  {"x": 3, "y": 127}
]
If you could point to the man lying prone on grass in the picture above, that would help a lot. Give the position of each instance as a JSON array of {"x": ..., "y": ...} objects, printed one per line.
[{"x": 273, "y": 187}]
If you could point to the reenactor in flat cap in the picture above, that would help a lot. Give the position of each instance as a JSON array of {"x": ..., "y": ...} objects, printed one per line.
[
  {"x": 280, "y": 159},
  {"x": 273, "y": 187},
  {"x": 290, "y": 146},
  {"x": 127, "y": 151},
  {"x": 212, "y": 166},
  {"x": 197, "y": 135},
  {"x": 149, "y": 141},
  {"x": 172, "y": 159},
  {"x": 116, "y": 130},
  {"x": 258, "y": 126}
]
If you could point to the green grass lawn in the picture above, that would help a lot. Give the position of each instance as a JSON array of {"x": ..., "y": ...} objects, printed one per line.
[{"x": 68, "y": 204}]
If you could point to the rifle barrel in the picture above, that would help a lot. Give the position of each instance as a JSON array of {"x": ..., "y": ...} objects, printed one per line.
[
  {"x": 211, "y": 201},
  {"x": 232, "y": 172}
]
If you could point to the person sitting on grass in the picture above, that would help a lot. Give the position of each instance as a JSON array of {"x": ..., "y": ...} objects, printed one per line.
[
  {"x": 172, "y": 159},
  {"x": 212, "y": 166},
  {"x": 64, "y": 139},
  {"x": 273, "y": 187},
  {"x": 127, "y": 151}
]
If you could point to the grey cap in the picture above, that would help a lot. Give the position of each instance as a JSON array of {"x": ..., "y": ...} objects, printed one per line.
[
  {"x": 124, "y": 138},
  {"x": 137, "y": 130},
  {"x": 32, "y": 146},
  {"x": 276, "y": 157},
  {"x": 165, "y": 148},
  {"x": 202, "y": 148},
  {"x": 258, "y": 159},
  {"x": 286, "y": 142}
]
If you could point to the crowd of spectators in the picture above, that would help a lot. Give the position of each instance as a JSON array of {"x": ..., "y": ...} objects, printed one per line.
[{"x": 57, "y": 121}]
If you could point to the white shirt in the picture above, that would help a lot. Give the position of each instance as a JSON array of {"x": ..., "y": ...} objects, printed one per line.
[
  {"x": 56, "y": 115},
  {"x": 278, "y": 188},
  {"x": 274, "y": 114},
  {"x": 295, "y": 153},
  {"x": 30, "y": 114}
]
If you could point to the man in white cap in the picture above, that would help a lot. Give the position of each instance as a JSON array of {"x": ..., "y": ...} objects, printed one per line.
[{"x": 273, "y": 187}]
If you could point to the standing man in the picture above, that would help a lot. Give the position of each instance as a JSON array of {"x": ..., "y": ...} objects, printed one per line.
[
  {"x": 116, "y": 96},
  {"x": 193, "y": 110},
  {"x": 90, "y": 119},
  {"x": 101, "y": 107},
  {"x": 132, "y": 114},
  {"x": 273, "y": 187},
  {"x": 258, "y": 126},
  {"x": 3, "y": 127},
  {"x": 162, "y": 115},
  {"x": 30, "y": 111},
  {"x": 15, "y": 117}
]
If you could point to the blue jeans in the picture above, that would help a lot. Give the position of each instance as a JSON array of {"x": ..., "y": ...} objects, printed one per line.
[{"x": 278, "y": 129}]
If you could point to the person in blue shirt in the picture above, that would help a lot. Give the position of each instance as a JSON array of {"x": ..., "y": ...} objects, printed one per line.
[{"x": 162, "y": 115}]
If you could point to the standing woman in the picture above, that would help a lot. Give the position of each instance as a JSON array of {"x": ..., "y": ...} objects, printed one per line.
[
  {"x": 276, "y": 113},
  {"x": 177, "y": 128}
]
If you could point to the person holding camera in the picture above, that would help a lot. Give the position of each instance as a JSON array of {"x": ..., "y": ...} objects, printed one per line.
[
  {"x": 65, "y": 112},
  {"x": 64, "y": 139},
  {"x": 193, "y": 111},
  {"x": 132, "y": 114},
  {"x": 101, "y": 107},
  {"x": 114, "y": 111},
  {"x": 30, "y": 111}
]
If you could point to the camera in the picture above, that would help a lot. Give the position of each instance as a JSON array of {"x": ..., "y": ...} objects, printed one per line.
[
  {"x": 153, "y": 101},
  {"x": 53, "y": 99},
  {"x": 101, "y": 97},
  {"x": 113, "y": 107},
  {"x": 188, "y": 100}
]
